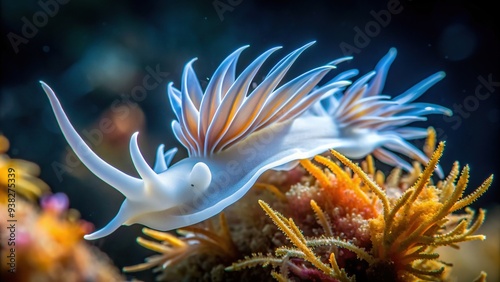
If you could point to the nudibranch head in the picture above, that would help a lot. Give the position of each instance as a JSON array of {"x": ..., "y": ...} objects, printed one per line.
[{"x": 158, "y": 189}]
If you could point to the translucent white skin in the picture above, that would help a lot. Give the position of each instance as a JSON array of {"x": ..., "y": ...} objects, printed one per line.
[{"x": 217, "y": 174}]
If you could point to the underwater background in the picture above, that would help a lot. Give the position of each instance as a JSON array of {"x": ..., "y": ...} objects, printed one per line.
[{"x": 96, "y": 54}]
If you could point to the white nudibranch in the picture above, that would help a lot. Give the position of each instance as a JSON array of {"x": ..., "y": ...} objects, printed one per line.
[{"x": 234, "y": 132}]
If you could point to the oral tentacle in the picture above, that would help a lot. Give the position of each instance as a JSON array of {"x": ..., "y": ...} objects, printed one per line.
[
  {"x": 125, "y": 184},
  {"x": 142, "y": 167}
]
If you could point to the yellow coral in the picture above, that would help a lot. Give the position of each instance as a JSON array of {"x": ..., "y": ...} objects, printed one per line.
[
  {"x": 195, "y": 240},
  {"x": 339, "y": 188},
  {"x": 411, "y": 227},
  {"x": 48, "y": 245},
  {"x": 405, "y": 230},
  {"x": 19, "y": 175},
  {"x": 304, "y": 248},
  {"x": 42, "y": 244}
]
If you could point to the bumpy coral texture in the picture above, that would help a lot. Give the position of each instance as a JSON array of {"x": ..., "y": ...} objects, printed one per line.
[{"x": 330, "y": 222}]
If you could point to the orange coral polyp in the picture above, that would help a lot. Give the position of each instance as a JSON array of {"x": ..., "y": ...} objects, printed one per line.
[{"x": 340, "y": 189}]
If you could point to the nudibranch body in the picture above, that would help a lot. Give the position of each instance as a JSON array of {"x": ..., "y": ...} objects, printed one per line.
[{"x": 234, "y": 133}]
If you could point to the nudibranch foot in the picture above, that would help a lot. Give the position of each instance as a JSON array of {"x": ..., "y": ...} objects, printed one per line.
[{"x": 127, "y": 185}]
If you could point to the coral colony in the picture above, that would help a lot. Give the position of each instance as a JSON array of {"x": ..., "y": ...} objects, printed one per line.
[
  {"x": 396, "y": 237},
  {"x": 47, "y": 243},
  {"x": 272, "y": 162}
]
